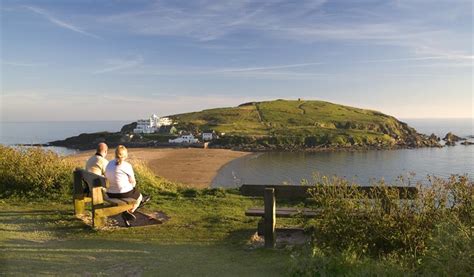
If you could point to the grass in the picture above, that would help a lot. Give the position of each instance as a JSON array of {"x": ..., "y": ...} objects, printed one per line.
[
  {"x": 206, "y": 236},
  {"x": 340, "y": 124}
]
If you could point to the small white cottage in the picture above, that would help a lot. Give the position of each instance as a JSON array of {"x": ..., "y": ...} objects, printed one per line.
[{"x": 184, "y": 139}]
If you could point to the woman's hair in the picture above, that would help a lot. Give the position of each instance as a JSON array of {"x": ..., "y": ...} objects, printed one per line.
[{"x": 121, "y": 154}]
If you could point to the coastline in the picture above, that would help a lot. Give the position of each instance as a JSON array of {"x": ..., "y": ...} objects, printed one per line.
[{"x": 194, "y": 167}]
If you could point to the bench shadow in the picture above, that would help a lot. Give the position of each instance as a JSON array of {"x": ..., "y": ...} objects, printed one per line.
[
  {"x": 54, "y": 221},
  {"x": 240, "y": 237},
  {"x": 35, "y": 212}
]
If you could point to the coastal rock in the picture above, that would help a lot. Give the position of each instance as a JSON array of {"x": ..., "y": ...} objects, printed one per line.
[
  {"x": 434, "y": 137},
  {"x": 467, "y": 143},
  {"x": 450, "y": 143},
  {"x": 452, "y": 137},
  {"x": 128, "y": 128}
]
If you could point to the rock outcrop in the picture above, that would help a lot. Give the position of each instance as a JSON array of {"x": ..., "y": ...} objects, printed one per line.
[
  {"x": 128, "y": 128},
  {"x": 451, "y": 139},
  {"x": 467, "y": 143}
]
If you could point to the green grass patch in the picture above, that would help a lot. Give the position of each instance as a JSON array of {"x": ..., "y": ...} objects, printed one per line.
[{"x": 205, "y": 236}]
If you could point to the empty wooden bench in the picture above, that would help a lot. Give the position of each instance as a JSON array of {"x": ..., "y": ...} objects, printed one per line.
[
  {"x": 270, "y": 212},
  {"x": 90, "y": 188}
]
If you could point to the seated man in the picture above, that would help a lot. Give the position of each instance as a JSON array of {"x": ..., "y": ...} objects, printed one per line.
[{"x": 97, "y": 163}]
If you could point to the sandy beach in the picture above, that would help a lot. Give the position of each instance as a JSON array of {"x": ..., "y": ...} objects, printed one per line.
[{"x": 191, "y": 166}]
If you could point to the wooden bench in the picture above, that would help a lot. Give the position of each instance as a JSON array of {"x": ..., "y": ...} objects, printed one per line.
[
  {"x": 90, "y": 188},
  {"x": 270, "y": 212}
]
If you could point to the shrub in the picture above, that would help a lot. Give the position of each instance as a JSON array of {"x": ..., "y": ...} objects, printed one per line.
[
  {"x": 450, "y": 251},
  {"x": 217, "y": 192},
  {"x": 408, "y": 232},
  {"x": 189, "y": 192},
  {"x": 39, "y": 173},
  {"x": 34, "y": 172}
]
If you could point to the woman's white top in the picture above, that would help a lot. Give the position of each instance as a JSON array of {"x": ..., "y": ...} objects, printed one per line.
[{"x": 118, "y": 177}]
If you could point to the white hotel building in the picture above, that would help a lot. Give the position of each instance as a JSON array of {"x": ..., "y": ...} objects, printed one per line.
[{"x": 152, "y": 124}]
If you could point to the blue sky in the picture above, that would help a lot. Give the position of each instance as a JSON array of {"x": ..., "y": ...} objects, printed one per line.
[{"x": 123, "y": 60}]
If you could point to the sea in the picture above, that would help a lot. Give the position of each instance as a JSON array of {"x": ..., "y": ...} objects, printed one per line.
[
  {"x": 361, "y": 167},
  {"x": 402, "y": 166},
  {"x": 13, "y": 133}
]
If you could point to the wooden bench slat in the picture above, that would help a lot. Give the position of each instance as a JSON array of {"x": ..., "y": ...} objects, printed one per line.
[
  {"x": 120, "y": 201},
  {"x": 284, "y": 212},
  {"x": 299, "y": 191}
]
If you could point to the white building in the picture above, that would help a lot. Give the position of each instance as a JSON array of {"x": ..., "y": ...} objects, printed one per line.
[
  {"x": 145, "y": 126},
  {"x": 207, "y": 136},
  {"x": 184, "y": 139},
  {"x": 152, "y": 124}
]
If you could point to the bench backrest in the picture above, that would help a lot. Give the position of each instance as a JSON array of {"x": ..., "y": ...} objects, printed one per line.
[
  {"x": 299, "y": 191},
  {"x": 87, "y": 184}
]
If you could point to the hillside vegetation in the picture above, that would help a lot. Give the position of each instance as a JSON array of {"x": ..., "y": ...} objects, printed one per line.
[{"x": 302, "y": 124}]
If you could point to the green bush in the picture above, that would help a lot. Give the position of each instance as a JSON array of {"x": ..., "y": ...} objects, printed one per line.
[
  {"x": 34, "y": 172},
  {"x": 407, "y": 232},
  {"x": 39, "y": 173},
  {"x": 450, "y": 251}
]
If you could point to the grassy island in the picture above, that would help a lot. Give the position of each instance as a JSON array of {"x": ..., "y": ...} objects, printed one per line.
[
  {"x": 282, "y": 125},
  {"x": 297, "y": 124}
]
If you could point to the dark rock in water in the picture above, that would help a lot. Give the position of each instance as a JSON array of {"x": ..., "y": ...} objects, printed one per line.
[
  {"x": 128, "y": 128},
  {"x": 467, "y": 143},
  {"x": 450, "y": 143},
  {"x": 90, "y": 141},
  {"x": 452, "y": 137},
  {"x": 434, "y": 137},
  {"x": 433, "y": 141},
  {"x": 32, "y": 144},
  {"x": 416, "y": 140}
]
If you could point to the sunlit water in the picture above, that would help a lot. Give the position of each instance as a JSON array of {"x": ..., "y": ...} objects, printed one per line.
[{"x": 361, "y": 167}]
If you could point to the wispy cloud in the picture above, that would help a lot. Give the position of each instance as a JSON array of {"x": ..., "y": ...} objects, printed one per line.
[
  {"x": 306, "y": 21},
  {"x": 209, "y": 20},
  {"x": 265, "y": 68},
  {"x": 120, "y": 64},
  {"x": 296, "y": 71},
  {"x": 23, "y": 64},
  {"x": 60, "y": 23}
]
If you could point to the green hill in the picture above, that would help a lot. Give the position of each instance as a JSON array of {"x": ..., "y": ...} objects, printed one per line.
[
  {"x": 277, "y": 125},
  {"x": 302, "y": 123}
]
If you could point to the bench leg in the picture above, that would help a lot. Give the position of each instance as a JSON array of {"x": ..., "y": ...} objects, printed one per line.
[
  {"x": 79, "y": 207},
  {"x": 270, "y": 217},
  {"x": 100, "y": 215},
  {"x": 261, "y": 227},
  {"x": 98, "y": 218}
]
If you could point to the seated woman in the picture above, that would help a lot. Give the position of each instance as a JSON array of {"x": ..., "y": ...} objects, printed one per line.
[{"x": 122, "y": 182}]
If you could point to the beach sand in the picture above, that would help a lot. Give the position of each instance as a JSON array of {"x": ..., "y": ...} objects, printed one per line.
[{"x": 194, "y": 167}]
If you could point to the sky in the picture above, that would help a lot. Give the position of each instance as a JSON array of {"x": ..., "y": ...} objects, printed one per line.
[{"x": 124, "y": 60}]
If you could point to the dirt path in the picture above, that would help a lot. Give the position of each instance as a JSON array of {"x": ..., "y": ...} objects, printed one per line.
[{"x": 191, "y": 166}]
